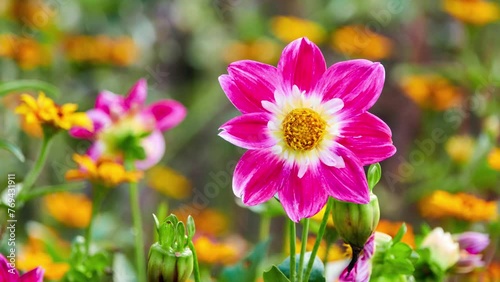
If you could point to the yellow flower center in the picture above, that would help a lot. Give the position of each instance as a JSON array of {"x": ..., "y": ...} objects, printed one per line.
[{"x": 303, "y": 129}]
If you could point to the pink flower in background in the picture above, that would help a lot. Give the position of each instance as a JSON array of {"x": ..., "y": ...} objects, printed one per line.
[
  {"x": 118, "y": 121},
  {"x": 9, "y": 274},
  {"x": 473, "y": 242},
  {"x": 306, "y": 127}
]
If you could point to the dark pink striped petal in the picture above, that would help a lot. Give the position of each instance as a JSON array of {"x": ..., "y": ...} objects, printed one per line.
[
  {"x": 368, "y": 137},
  {"x": 357, "y": 82},
  {"x": 258, "y": 176},
  {"x": 248, "y": 84},
  {"x": 346, "y": 184},
  {"x": 248, "y": 131},
  {"x": 303, "y": 197},
  {"x": 301, "y": 64}
]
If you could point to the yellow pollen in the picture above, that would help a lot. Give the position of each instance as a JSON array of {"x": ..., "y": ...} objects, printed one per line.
[{"x": 303, "y": 129}]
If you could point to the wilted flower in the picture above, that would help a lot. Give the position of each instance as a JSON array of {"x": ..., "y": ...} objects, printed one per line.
[
  {"x": 360, "y": 42},
  {"x": 44, "y": 112},
  {"x": 441, "y": 204},
  {"x": 8, "y": 272},
  {"x": 73, "y": 210},
  {"x": 102, "y": 171},
  {"x": 477, "y": 12},
  {"x": 444, "y": 250},
  {"x": 363, "y": 268},
  {"x": 287, "y": 29},
  {"x": 125, "y": 125},
  {"x": 306, "y": 127}
]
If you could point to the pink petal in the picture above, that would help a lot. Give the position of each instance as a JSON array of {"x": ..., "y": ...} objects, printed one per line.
[
  {"x": 303, "y": 197},
  {"x": 137, "y": 94},
  {"x": 248, "y": 83},
  {"x": 248, "y": 131},
  {"x": 301, "y": 64},
  {"x": 154, "y": 145},
  {"x": 110, "y": 103},
  {"x": 5, "y": 275},
  {"x": 368, "y": 137},
  {"x": 362, "y": 268},
  {"x": 357, "y": 82},
  {"x": 258, "y": 176},
  {"x": 99, "y": 119},
  {"x": 167, "y": 113},
  {"x": 34, "y": 275},
  {"x": 346, "y": 184}
]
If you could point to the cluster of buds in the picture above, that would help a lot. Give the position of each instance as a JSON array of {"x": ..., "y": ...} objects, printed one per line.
[{"x": 171, "y": 259}]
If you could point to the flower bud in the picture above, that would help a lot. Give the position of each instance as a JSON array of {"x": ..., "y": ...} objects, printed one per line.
[
  {"x": 472, "y": 242},
  {"x": 171, "y": 259},
  {"x": 355, "y": 223}
]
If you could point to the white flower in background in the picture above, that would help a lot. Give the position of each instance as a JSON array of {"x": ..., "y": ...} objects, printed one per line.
[{"x": 445, "y": 252}]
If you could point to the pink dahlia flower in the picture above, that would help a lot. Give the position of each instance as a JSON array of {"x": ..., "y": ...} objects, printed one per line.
[
  {"x": 306, "y": 127},
  {"x": 10, "y": 274},
  {"x": 120, "y": 119}
]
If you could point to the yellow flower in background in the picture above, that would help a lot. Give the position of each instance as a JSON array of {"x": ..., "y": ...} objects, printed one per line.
[
  {"x": 477, "y": 12},
  {"x": 460, "y": 148},
  {"x": 494, "y": 158},
  {"x": 43, "y": 111},
  {"x": 319, "y": 217},
  {"x": 431, "y": 91},
  {"x": 7, "y": 45},
  {"x": 123, "y": 52},
  {"x": 208, "y": 221},
  {"x": 102, "y": 171},
  {"x": 101, "y": 49},
  {"x": 213, "y": 252},
  {"x": 442, "y": 204},
  {"x": 261, "y": 50},
  {"x": 33, "y": 13},
  {"x": 360, "y": 42},
  {"x": 287, "y": 29},
  {"x": 391, "y": 228},
  {"x": 53, "y": 270},
  {"x": 169, "y": 182},
  {"x": 73, "y": 210}
]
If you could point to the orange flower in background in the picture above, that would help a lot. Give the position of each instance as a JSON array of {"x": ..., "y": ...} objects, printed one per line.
[
  {"x": 73, "y": 210},
  {"x": 102, "y": 171},
  {"x": 287, "y": 29},
  {"x": 477, "y": 12},
  {"x": 7, "y": 45},
  {"x": 494, "y": 158},
  {"x": 431, "y": 91},
  {"x": 26, "y": 52},
  {"x": 391, "y": 228},
  {"x": 360, "y": 42},
  {"x": 169, "y": 182},
  {"x": 442, "y": 204},
  {"x": 208, "y": 221},
  {"x": 43, "y": 111},
  {"x": 460, "y": 148},
  {"x": 262, "y": 50},
  {"x": 33, "y": 13},
  {"x": 219, "y": 252},
  {"x": 124, "y": 51}
]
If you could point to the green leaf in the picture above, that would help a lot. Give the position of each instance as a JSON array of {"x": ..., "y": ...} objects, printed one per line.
[
  {"x": 246, "y": 270},
  {"x": 6, "y": 145},
  {"x": 275, "y": 275},
  {"x": 317, "y": 270},
  {"x": 24, "y": 85},
  {"x": 400, "y": 234},
  {"x": 374, "y": 175},
  {"x": 191, "y": 228},
  {"x": 400, "y": 250}
]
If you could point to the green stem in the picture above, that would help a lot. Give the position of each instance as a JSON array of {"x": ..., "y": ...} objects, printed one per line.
[
  {"x": 196, "y": 267},
  {"x": 99, "y": 193},
  {"x": 137, "y": 221},
  {"x": 305, "y": 232},
  {"x": 319, "y": 237},
  {"x": 28, "y": 84},
  {"x": 293, "y": 234},
  {"x": 37, "y": 168},
  {"x": 265, "y": 227}
]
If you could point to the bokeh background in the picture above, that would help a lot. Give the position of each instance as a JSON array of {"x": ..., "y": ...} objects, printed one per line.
[{"x": 441, "y": 100}]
